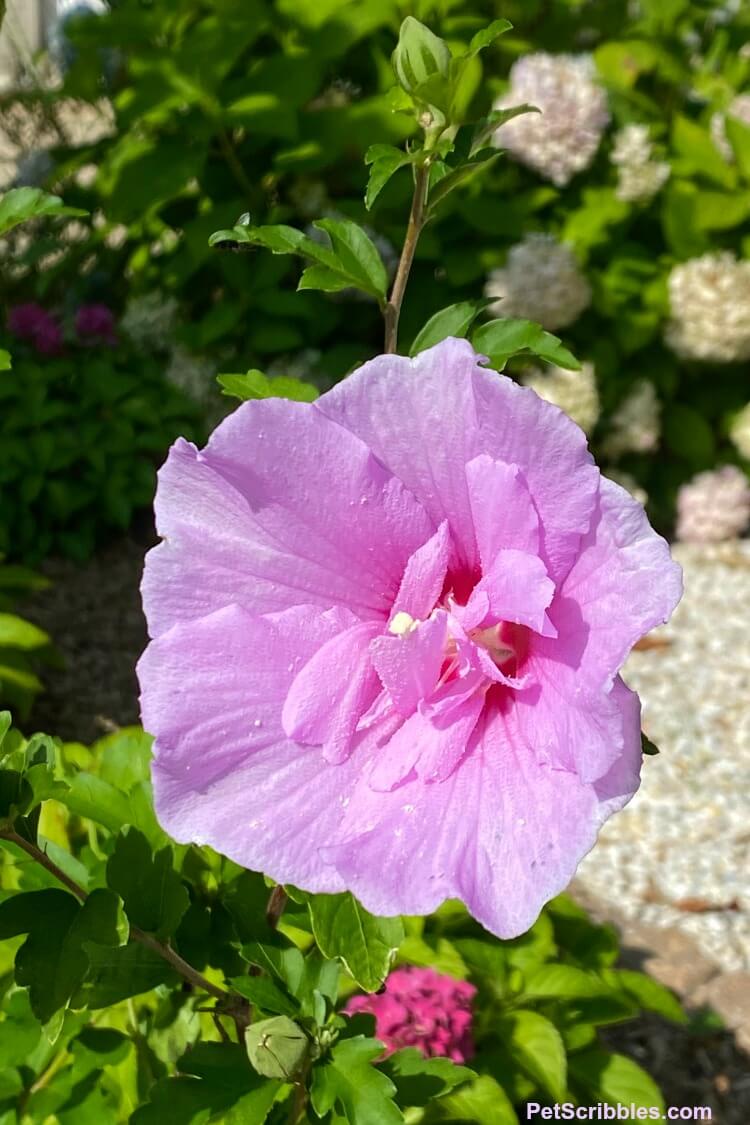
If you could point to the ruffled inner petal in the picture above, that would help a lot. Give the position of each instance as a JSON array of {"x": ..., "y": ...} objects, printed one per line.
[
  {"x": 331, "y": 693},
  {"x": 518, "y": 589},
  {"x": 424, "y": 576},
  {"x": 502, "y": 509},
  {"x": 431, "y": 742},
  {"x": 409, "y": 664}
]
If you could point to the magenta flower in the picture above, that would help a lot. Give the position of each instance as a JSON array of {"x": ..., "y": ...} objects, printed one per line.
[
  {"x": 34, "y": 324},
  {"x": 423, "y": 1009},
  {"x": 95, "y": 324},
  {"x": 387, "y": 629}
]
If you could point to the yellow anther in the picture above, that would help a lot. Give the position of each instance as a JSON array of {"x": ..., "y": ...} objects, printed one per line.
[{"x": 402, "y": 623}]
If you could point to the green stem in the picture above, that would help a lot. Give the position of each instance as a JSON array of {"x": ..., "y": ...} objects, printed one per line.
[
  {"x": 413, "y": 231},
  {"x": 233, "y": 163}
]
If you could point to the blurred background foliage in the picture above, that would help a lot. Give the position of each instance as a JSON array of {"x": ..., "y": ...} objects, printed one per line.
[{"x": 201, "y": 112}]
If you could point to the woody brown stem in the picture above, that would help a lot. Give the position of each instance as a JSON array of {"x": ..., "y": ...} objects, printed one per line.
[{"x": 392, "y": 311}]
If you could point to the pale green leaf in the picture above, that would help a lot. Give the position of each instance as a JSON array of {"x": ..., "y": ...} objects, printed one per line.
[
  {"x": 455, "y": 320},
  {"x": 21, "y": 204}
]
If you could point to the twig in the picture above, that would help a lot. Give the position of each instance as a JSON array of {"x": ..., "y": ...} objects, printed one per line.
[
  {"x": 233, "y": 162},
  {"x": 276, "y": 906},
  {"x": 392, "y": 310}
]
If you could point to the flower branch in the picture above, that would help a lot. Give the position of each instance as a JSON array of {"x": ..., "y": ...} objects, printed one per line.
[{"x": 229, "y": 1003}]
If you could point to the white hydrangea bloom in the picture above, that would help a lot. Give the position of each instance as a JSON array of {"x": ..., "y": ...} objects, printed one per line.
[
  {"x": 193, "y": 374},
  {"x": 639, "y": 177},
  {"x": 739, "y": 107},
  {"x": 149, "y": 321},
  {"x": 714, "y": 506},
  {"x": 575, "y": 392},
  {"x": 541, "y": 281},
  {"x": 710, "y": 308},
  {"x": 635, "y": 425},
  {"x": 628, "y": 482},
  {"x": 562, "y": 139},
  {"x": 739, "y": 432}
]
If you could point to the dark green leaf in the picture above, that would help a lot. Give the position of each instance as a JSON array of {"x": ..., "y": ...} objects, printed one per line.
[
  {"x": 322, "y": 278},
  {"x": 647, "y": 746},
  {"x": 604, "y": 1077},
  {"x": 487, "y": 36},
  {"x": 384, "y": 161},
  {"x": 16, "y": 795},
  {"x": 152, "y": 891},
  {"x": 347, "y": 1079},
  {"x": 352, "y": 257},
  {"x": 647, "y": 992},
  {"x": 356, "y": 255},
  {"x": 285, "y": 962},
  {"x": 266, "y": 995},
  {"x": 214, "y": 1079},
  {"x": 501, "y": 339},
  {"x": 117, "y": 973},
  {"x": 53, "y": 961},
  {"x": 482, "y": 1101},
  {"x": 555, "y": 981},
  {"x": 535, "y": 1043},
  {"x": 418, "y": 1080}
]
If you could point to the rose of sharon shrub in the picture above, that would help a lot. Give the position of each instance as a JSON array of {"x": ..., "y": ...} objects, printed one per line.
[
  {"x": 387, "y": 629},
  {"x": 423, "y": 1009}
]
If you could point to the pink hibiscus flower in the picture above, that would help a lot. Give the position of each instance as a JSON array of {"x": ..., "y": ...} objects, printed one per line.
[
  {"x": 423, "y": 1009},
  {"x": 387, "y": 629}
]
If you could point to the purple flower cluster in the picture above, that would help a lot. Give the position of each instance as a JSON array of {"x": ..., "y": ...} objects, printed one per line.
[
  {"x": 34, "y": 324},
  {"x": 423, "y": 1009},
  {"x": 94, "y": 325}
]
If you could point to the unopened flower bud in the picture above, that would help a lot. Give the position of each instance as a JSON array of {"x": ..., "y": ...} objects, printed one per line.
[
  {"x": 419, "y": 56},
  {"x": 276, "y": 1047}
]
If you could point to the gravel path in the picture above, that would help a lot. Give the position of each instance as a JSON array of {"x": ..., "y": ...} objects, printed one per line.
[{"x": 679, "y": 854}]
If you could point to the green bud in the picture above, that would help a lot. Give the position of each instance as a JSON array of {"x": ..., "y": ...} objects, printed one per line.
[
  {"x": 276, "y": 1047},
  {"x": 419, "y": 56}
]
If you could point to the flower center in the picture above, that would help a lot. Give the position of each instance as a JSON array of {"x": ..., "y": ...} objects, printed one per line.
[{"x": 494, "y": 642}]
